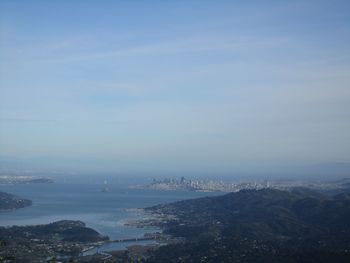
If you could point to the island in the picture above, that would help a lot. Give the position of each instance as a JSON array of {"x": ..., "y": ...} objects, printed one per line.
[{"x": 12, "y": 202}]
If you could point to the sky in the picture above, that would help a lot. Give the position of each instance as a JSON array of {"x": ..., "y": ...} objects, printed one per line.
[{"x": 174, "y": 86}]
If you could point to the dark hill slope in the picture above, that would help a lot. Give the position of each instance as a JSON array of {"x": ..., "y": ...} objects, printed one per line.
[
  {"x": 65, "y": 230},
  {"x": 264, "y": 226}
]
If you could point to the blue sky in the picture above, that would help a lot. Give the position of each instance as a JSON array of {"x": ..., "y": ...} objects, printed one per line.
[{"x": 174, "y": 86}]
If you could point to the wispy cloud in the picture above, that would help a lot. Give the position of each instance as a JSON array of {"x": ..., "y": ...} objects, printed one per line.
[
  {"x": 21, "y": 120},
  {"x": 185, "y": 45},
  {"x": 82, "y": 48}
]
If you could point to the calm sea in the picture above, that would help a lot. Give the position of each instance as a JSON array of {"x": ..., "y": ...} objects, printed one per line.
[{"x": 105, "y": 212}]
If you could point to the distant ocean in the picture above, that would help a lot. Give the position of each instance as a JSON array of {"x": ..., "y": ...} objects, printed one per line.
[{"x": 105, "y": 212}]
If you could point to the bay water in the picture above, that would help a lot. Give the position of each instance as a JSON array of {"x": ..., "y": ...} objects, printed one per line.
[{"x": 106, "y": 212}]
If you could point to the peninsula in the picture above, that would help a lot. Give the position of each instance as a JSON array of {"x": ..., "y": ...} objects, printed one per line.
[{"x": 37, "y": 243}]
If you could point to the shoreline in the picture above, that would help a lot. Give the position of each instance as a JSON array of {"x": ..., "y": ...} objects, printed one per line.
[{"x": 147, "y": 220}]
